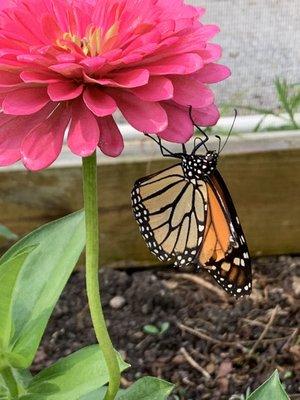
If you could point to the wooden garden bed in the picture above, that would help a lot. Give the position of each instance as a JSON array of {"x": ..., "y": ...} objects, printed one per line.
[{"x": 261, "y": 170}]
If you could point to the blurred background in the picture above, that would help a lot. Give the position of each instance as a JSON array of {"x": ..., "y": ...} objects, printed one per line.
[{"x": 260, "y": 40}]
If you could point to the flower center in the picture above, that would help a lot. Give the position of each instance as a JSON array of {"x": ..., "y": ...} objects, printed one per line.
[{"x": 94, "y": 42}]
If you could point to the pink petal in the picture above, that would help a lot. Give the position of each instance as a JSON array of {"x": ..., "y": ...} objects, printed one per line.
[
  {"x": 211, "y": 53},
  {"x": 128, "y": 79},
  {"x": 188, "y": 91},
  {"x": 206, "y": 116},
  {"x": 64, "y": 90},
  {"x": 50, "y": 27},
  {"x": 25, "y": 101},
  {"x": 11, "y": 135},
  {"x": 84, "y": 132},
  {"x": 180, "y": 127},
  {"x": 207, "y": 32},
  {"x": 176, "y": 65},
  {"x": 158, "y": 88},
  {"x": 12, "y": 131},
  {"x": 142, "y": 115},
  {"x": 43, "y": 144},
  {"x": 111, "y": 141},
  {"x": 93, "y": 64},
  {"x": 69, "y": 70},
  {"x": 213, "y": 73},
  {"x": 100, "y": 103},
  {"x": 38, "y": 77},
  {"x": 9, "y": 79}
]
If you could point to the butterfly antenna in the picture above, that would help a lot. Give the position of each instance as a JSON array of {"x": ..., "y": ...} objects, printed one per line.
[
  {"x": 230, "y": 131},
  {"x": 158, "y": 141},
  {"x": 220, "y": 141},
  {"x": 203, "y": 141}
]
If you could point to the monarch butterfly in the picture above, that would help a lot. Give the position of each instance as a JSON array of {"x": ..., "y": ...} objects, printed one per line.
[{"x": 186, "y": 214}]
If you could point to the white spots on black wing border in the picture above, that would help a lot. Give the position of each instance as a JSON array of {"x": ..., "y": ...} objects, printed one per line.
[
  {"x": 141, "y": 214},
  {"x": 186, "y": 258},
  {"x": 239, "y": 257}
]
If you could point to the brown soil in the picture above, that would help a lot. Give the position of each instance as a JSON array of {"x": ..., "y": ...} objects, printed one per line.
[{"x": 224, "y": 340}]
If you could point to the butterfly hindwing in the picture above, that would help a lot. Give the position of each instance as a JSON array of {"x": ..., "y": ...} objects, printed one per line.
[
  {"x": 224, "y": 252},
  {"x": 171, "y": 212}
]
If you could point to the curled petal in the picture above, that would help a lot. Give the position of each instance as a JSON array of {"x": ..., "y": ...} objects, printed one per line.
[
  {"x": 84, "y": 132},
  {"x": 43, "y": 144},
  {"x": 100, "y": 103},
  {"x": 111, "y": 141},
  {"x": 38, "y": 77},
  {"x": 177, "y": 65},
  {"x": 25, "y": 101},
  {"x": 64, "y": 90},
  {"x": 206, "y": 116},
  {"x": 158, "y": 88},
  {"x": 142, "y": 115},
  {"x": 180, "y": 127},
  {"x": 128, "y": 79},
  {"x": 8, "y": 79},
  {"x": 188, "y": 91},
  {"x": 212, "y": 73}
]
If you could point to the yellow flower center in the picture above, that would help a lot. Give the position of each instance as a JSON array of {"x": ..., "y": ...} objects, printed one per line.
[{"x": 94, "y": 42}]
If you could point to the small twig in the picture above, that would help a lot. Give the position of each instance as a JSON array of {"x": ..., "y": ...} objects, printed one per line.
[
  {"x": 240, "y": 345},
  {"x": 264, "y": 332},
  {"x": 194, "y": 363},
  {"x": 262, "y": 324},
  {"x": 287, "y": 343},
  {"x": 202, "y": 282},
  {"x": 202, "y": 335},
  {"x": 253, "y": 322}
]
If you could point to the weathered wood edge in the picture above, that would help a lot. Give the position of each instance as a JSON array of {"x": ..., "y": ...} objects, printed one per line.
[{"x": 264, "y": 185}]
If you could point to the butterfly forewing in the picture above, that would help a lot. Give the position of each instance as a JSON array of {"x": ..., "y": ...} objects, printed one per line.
[{"x": 171, "y": 211}]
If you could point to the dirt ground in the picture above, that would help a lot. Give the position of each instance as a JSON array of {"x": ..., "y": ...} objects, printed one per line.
[{"x": 215, "y": 346}]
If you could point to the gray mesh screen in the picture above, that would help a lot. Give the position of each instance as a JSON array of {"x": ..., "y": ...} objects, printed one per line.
[{"x": 260, "y": 40}]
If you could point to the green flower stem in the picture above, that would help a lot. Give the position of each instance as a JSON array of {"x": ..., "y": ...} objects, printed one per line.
[
  {"x": 10, "y": 382},
  {"x": 92, "y": 274}
]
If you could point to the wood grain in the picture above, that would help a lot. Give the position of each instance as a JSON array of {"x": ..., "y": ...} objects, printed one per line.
[{"x": 264, "y": 186}]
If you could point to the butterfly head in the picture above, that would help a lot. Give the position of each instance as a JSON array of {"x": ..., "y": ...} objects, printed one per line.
[{"x": 199, "y": 166}]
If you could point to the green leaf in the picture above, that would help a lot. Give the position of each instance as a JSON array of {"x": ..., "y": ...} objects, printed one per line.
[
  {"x": 7, "y": 233},
  {"x": 9, "y": 272},
  {"x": 95, "y": 395},
  {"x": 151, "y": 330},
  {"x": 271, "y": 389},
  {"x": 164, "y": 327},
  {"x": 41, "y": 281},
  {"x": 72, "y": 377},
  {"x": 147, "y": 388}
]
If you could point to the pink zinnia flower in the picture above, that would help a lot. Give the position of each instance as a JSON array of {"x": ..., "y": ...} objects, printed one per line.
[{"x": 68, "y": 65}]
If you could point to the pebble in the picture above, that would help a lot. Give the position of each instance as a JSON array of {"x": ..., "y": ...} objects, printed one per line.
[{"x": 117, "y": 302}]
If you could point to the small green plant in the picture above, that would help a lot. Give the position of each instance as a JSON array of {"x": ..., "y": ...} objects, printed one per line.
[
  {"x": 272, "y": 389},
  {"x": 156, "y": 330},
  {"x": 33, "y": 274},
  {"x": 288, "y": 96}
]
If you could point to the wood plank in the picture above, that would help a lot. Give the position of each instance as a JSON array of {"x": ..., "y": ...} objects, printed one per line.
[{"x": 265, "y": 188}]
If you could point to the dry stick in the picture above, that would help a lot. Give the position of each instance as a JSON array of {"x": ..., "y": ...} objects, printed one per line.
[
  {"x": 239, "y": 344},
  {"x": 291, "y": 337},
  {"x": 204, "y": 283},
  {"x": 202, "y": 335},
  {"x": 264, "y": 332},
  {"x": 194, "y": 364}
]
